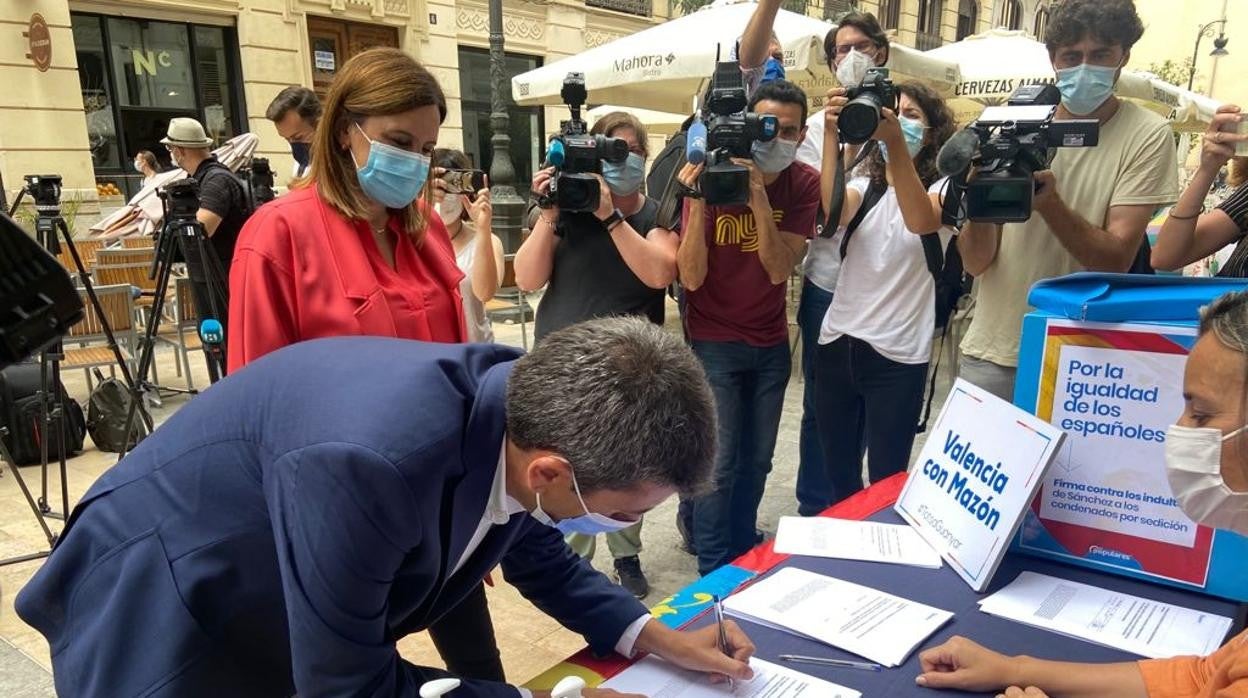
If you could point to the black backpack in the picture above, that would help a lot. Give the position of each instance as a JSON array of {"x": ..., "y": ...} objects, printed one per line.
[
  {"x": 107, "y": 411},
  {"x": 661, "y": 183},
  {"x": 22, "y": 417}
]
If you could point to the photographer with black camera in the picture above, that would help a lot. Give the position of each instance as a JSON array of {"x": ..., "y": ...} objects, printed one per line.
[
  {"x": 1093, "y": 204},
  {"x": 223, "y": 207},
  {"x": 876, "y": 337},
  {"x": 734, "y": 262},
  {"x": 613, "y": 260}
]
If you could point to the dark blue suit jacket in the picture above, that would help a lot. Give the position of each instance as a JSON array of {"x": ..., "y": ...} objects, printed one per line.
[{"x": 285, "y": 528}]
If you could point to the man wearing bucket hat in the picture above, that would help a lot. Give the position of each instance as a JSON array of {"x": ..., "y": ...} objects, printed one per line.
[{"x": 222, "y": 203}]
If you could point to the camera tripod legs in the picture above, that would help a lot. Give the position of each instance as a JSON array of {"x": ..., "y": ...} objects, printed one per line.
[{"x": 34, "y": 508}]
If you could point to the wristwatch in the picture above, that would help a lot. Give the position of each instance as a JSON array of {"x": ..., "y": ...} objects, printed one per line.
[{"x": 610, "y": 221}]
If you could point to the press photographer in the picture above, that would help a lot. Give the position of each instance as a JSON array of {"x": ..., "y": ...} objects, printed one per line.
[
  {"x": 614, "y": 260},
  {"x": 734, "y": 262},
  {"x": 876, "y": 338},
  {"x": 1093, "y": 204},
  {"x": 223, "y": 204}
]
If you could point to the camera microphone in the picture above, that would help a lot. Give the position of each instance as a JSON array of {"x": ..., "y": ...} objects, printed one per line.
[
  {"x": 695, "y": 142},
  {"x": 555, "y": 154},
  {"x": 211, "y": 332},
  {"x": 956, "y": 155}
]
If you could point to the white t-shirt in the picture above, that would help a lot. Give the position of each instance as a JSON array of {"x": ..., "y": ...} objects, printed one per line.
[
  {"x": 886, "y": 295},
  {"x": 823, "y": 256},
  {"x": 480, "y": 329}
]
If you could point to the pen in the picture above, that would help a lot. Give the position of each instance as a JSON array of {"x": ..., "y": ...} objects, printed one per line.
[
  {"x": 846, "y": 663},
  {"x": 723, "y": 637}
]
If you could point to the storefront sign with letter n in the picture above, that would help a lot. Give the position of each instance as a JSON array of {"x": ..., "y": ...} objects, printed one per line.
[{"x": 40, "y": 43}]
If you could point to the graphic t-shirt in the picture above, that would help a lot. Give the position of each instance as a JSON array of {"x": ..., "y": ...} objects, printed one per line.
[{"x": 738, "y": 302}]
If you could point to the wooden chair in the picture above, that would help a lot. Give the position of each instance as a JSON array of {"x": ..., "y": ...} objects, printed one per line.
[
  {"x": 117, "y": 302},
  {"x": 118, "y": 256},
  {"x": 141, "y": 242},
  {"x": 87, "y": 249},
  {"x": 183, "y": 332}
]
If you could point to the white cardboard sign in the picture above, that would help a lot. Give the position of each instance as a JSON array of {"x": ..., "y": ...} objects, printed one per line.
[{"x": 975, "y": 478}]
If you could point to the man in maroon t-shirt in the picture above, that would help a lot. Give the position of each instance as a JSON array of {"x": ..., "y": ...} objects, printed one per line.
[{"x": 734, "y": 263}]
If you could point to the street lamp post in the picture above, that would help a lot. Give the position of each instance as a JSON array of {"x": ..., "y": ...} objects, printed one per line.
[
  {"x": 1219, "y": 47},
  {"x": 508, "y": 206}
]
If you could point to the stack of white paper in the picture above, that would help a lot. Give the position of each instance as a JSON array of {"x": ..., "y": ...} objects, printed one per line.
[
  {"x": 1125, "y": 622},
  {"x": 654, "y": 677},
  {"x": 818, "y": 536},
  {"x": 872, "y": 624}
]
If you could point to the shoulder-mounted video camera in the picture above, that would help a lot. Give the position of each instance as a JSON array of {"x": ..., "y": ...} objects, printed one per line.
[
  {"x": 861, "y": 116},
  {"x": 731, "y": 132},
  {"x": 1015, "y": 142},
  {"x": 577, "y": 156}
]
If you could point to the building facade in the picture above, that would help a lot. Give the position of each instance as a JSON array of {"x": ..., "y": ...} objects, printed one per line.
[{"x": 101, "y": 82}]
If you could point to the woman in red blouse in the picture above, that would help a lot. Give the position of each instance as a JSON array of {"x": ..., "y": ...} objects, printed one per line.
[{"x": 355, "y": 250}]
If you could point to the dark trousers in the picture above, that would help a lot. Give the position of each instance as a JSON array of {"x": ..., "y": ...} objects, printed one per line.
[
  {"x": 748, "y": 383},
  {"x": 465, "y": 639},
  {"x": 856, "y": 384},
  {"x": 812, "y": 479}
]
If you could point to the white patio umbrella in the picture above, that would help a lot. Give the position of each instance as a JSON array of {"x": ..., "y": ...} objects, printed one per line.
[
  {"x": 997, "y": 62},
  {"x": 661, "y": 68},
  {"x": 656, "y": 122},
  {"x": 143, "y": 213}
]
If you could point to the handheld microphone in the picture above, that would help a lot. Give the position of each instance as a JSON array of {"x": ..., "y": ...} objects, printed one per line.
[
  {"x": 211, "y": 331},
  {"x": 695, "y": 142},
  {"x": 555, "y": 154},
  {"x": 956, "y": 155}
]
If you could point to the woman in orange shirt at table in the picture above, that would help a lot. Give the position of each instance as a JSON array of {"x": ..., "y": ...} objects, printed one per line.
[{"x": 1207, "y": 465}]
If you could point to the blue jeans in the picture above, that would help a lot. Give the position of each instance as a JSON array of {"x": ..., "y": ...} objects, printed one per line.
[
  {"x": 748, "y": 383},
  {"x": 814, "y": 490}
]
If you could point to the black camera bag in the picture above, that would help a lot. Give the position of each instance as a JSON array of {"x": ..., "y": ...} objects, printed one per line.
[{"x": 22, "y": 417}]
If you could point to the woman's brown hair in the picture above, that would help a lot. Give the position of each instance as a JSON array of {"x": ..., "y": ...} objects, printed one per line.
[
  {"x": 377, "y": 82},
  {"x": 610, "y": 123}
]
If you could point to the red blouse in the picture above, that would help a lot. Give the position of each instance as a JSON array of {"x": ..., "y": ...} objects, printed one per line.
[{"x": 302, "y": 271}]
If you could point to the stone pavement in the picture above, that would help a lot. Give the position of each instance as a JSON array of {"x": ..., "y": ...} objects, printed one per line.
[{"x": 530, "y": 641}]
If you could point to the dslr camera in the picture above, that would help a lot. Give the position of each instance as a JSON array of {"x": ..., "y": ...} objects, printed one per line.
[
  {"x": 861, "y": 116},
  {"x": 1016, "y": 141},
  {"x": 730, "y": 133},
  {"x": 577, "y": 156}
]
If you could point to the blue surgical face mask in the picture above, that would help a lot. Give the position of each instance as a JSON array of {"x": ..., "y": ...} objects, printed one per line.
[
  {"x": 589, "y": 524},
  {"x": 624, "y": 178},
  {"x": 1085, "y": 87},
  {"x": 391, "y": 176},
  {"x": 913, "y": 130},
  {"x": 773, "y": 69},
  {"x": 774, "y": 155}
]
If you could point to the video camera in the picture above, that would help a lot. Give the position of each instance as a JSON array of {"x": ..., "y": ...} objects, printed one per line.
[
  {"x": 45, "y": 190},
  {"x": 38, "y": 302},
  {"x": 861, "y": 116},
  {"x": 577, "y": 156},
  {"x": 730, "y": 133},
  {"x": 1010, "y": 144},
  {"x": 181, "y": 199},
  {"x": 257, "y": 183}
]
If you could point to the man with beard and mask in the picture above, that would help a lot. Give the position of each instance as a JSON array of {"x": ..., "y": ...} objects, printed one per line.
[
  {"x": 1092, "y": 205},
  {"x": 734, "y": 264},
  {"x": 613, "y": 261},
  {"x": 295, "y": 112},
  {"x": 1207, "y": 465}
]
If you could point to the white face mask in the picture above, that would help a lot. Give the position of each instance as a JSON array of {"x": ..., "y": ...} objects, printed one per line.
[
  {"x": 450, "y": 208},
  {"x": 853, "y": 68},
  {"x": 589, "y": 523},
  {"x": 1194, "y": 468}
]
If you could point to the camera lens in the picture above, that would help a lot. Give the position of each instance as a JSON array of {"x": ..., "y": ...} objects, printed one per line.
[{"x": 859, "y": 119}]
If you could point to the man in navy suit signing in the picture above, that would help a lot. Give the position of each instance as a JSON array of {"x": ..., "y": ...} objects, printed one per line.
[{"x": 282, "y": 531}]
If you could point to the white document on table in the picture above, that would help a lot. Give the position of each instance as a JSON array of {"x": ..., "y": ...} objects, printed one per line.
[
  {"x": 819, "y": 536},
  {"x": 656, "y": 678},
  {"x": 1122, "y": 621},
  {"x": 869, "y": 623}
]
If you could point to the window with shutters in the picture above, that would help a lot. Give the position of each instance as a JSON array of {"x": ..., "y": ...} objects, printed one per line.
[
  {"x": 890, "y": 13},
  {"x": 968, "y": 18},
  {"x": 929, "y": 24},
  {"x": 1011, "y": 14}
]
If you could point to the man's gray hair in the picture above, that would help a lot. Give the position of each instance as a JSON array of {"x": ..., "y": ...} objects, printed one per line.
[{"x": 624, "y": 401}]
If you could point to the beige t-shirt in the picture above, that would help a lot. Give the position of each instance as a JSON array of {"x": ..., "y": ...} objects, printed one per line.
[{"x": 1134, "y": 163}]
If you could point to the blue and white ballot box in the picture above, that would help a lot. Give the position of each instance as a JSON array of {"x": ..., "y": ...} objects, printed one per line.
[{"x": 1102, "y": 358}]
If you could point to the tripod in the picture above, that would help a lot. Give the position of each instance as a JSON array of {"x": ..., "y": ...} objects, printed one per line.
[
  {"x": 184, "y": 233},
  {"x": 45, "y": 190}
]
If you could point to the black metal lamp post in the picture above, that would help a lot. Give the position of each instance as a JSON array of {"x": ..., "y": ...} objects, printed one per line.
[
  {"x": 1219, "y": 47},
  {"x": 508, "y": 206}
]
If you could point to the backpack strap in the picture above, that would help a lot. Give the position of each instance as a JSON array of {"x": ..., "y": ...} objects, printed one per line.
[
  {"x": 933, "y": 254},
  {"x": 874, "y": 193}
]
